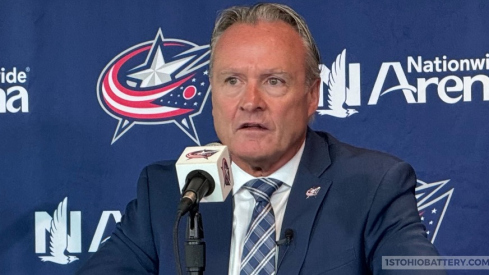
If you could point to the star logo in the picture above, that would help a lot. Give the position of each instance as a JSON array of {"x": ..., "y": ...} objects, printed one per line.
[
  {"x": 433, "y": 200},
  {"x": 156, "y": 82},
  {"x": 159, "y": 72}
]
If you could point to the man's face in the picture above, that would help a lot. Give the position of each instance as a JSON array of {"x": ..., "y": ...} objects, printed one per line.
[{"x": 261, "y": 101}]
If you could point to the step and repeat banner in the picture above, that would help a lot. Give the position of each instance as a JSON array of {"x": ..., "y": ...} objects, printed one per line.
[{"x": 92, "y": 91}]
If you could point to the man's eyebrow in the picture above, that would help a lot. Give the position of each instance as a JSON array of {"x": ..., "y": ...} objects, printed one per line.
[
  {"x": 279, "y": 73},
  {"x": 264, "y": 72},
  {"x": 282, "y": 73},
  {"x": 227, "y": 72}
]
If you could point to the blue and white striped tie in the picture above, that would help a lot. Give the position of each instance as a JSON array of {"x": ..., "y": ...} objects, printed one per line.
[{"x": 258, "y": 256}]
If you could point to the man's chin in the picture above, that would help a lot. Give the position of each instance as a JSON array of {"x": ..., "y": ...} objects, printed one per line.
[
  {"x": 249, "y": 156},
  {"x": 250, "y": 148}
]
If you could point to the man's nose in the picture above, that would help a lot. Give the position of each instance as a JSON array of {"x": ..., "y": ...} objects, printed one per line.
[{"x": 252, "y": 99}]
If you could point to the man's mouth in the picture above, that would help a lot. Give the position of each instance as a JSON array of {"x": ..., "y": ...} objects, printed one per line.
[{"x": 252, "y": 126}]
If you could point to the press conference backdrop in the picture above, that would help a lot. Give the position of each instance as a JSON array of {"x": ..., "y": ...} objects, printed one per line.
[{"x": 92, "y": 91}]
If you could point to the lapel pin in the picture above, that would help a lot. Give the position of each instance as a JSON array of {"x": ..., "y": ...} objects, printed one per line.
[{"x": 313, "y": 192}]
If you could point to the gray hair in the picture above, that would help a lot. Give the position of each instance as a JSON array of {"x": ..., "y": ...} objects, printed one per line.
[{"x": 270, "y": 12}]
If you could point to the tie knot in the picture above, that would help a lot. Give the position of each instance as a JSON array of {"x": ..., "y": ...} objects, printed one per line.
[{"x": 262, "y": 188}]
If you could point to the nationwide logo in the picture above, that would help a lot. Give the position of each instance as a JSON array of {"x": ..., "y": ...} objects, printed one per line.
[
  {"x": 13, "y": 95},
  {"x": 433, "y": 199},
  {"x": 341, "y": 99},
  {"x": 156, "y": 82},
  {"x": 59, "y": 237},
  {"x": 63, "y": 230}
]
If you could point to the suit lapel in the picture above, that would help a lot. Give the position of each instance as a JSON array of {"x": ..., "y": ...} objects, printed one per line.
[
  {"x": 301, "y": 208},
  {"x": 218, "y": 221}
]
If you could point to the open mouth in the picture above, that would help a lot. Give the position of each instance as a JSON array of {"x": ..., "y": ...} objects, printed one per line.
[{"x": 253, "y": 126}]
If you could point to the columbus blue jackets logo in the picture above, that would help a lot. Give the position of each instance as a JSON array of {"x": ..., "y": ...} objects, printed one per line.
[
  {"x": 225, "y": 172},
  {"x": 201, "y": 154},
  {"x": 313, "y": 192},
  {"x": 433, "y": 200},
  {"x": 156, "y": 82}
]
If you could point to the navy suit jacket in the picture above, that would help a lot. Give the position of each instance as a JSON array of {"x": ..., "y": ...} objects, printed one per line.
[{"x": 364, "y": 210}]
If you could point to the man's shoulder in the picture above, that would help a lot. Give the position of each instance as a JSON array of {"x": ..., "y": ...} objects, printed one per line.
[
  {"x": 158, "y": 168},
  {"x": 364, "y": 169},
  {"x": 161, "y": 165},
  {"x": 344, "y": 153}
]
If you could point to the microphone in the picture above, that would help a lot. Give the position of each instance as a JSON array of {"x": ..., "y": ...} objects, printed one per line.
[
  {"x": 204, "y": 175},
  {"x": 289, "y": 234}
]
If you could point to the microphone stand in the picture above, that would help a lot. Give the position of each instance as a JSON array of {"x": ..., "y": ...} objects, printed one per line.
[{"x": 195, "y": 245}]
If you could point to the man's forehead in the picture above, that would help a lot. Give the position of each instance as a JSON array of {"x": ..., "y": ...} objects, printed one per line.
[
  {"x": 258, "y": 35},
  {"x": 268, "y": 47},
  {"x": 260, "y": 24}
]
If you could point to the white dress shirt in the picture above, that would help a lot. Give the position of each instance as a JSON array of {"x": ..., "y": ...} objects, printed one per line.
[{"x": 244, "y": 204}]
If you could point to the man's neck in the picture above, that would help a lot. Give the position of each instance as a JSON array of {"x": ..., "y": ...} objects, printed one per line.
[
  {"x": 262, "y": 169},
  {"x": 265, "y": 167}
]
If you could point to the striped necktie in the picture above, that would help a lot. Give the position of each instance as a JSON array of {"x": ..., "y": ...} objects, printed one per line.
[{"x": 258, "y": 256}]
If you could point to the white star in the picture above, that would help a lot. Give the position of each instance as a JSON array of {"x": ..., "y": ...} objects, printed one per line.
[
  {"x": 159, "y": 72},
  {"x": 206, "y": 72},
  {"x": 202, "y": 84},
  {"x": 427, "y": 232},
  {"x": 195, "y": 103},
  {"x": 181, "y": 88},
  {"x": 431, "y": 222},
  {"x": 433, "y": 211},
  {"x": 422, "y": 218},
  {"x": 185, "y": 103},
  {"x": 198, "y": 93},
  {"x": 193, "y": 79}
]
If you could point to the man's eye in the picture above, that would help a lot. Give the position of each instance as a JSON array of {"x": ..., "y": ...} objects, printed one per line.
[
  {"x": 231, "y": 81},
  {"x": 274, "y": 81}
]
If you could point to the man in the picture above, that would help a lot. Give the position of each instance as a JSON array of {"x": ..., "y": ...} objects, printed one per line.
[{"x": 346, "y": 207}]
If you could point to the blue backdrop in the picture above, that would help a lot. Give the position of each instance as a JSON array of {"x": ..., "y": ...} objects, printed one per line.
[{"x": 78, "y": 121}]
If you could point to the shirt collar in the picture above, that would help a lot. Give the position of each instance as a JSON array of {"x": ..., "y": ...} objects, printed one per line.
[{"x": 286, "y": 173}]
